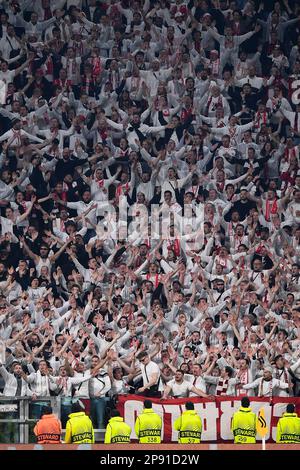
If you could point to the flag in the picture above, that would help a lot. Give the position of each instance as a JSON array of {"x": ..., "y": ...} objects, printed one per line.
[{"x": 261, "y": 426}]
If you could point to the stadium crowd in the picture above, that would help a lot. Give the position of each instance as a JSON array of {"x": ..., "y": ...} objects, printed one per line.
[{"x": 150, "y": 199}]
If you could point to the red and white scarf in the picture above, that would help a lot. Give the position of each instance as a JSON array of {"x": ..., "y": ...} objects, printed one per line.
[
  {"x": 222, "y": 387},
  {"x": 16, "y": 137},
  {"x": 244, "y": 380},
  {"x": 175, "y": 246},
  {"x": 100, "y": 183},
  {"x": 185, "y": 113},
  {"x": 156, "y": 281},
  {"x": 232, "y": 132},
  {"x": 260, "y": 118},
  {"x": 221, "y": 261},
  {"x": 261, "y": 389},
  {"x": 215, "y": 66},
  {"x": 213, "y": 103},
  {"x": 122, "y": 189},
  {"x": 71, "y": 67},
  {"x": 97, "y": 68},
  {"x": 236, "y": 28},
  {"x": 49, "y": 66},
  {"x": 271, "y": 208},
  {"x": 220, "y": 186}
]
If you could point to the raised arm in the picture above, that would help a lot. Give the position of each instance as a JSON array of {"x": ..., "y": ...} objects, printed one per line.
[{"x": 30, "y": 253}]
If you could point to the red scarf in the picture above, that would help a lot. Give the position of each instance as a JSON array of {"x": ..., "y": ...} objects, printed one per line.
[
  {"x": 215, "y": 66},
  {"x": 54, "y": 133},
  {"x": 244, "y": 379},
  {"x": 156, "y": 282},
  {"x": 271, "y": 208},
  {"x": 261, "y": 118},
  {"x": 100, "y": 183},
  {"x": 122, "y": 189},
  {"x": 49, "y": 66},
  {"x": 232, "y": 133},
  {"x": 96, "y": 62},
  {"x": 288, "y": 153},
  {"x": 222, "y": 387},
  {"x": 103, "y": 134},
  {"x": 236, "y": 29},
  {"x": 220, "y": 186},
  {"x": 123, "y": 153},
  {"x": 222, "y": 262},
  {"x": 87, "y": 83},
  {"x": 61, "y": 83},
  {"x": 185, "y": 113},
  {"x": 17, "y": 137},
  {"x": 230, "y": 229},
  {"x": 71, "y": 64},
  {"x": 213, "y": 103},
  {"x": 175, "y": 246},
  {"x": 195, "y": 190},
  {"x": 220, "y": 123},
  {"x": 197, "y": 46}
]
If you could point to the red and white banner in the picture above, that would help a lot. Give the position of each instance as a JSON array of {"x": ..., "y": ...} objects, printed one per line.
[{"x": 216, "y": 415}]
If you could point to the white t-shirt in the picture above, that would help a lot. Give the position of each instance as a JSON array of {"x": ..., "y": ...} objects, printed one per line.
[
  {"x": 148, "y": 371},
  {"x": 198, "y": 382},
  {"x": 7, "y": 76},
  {"x": 180, "y": 390}
]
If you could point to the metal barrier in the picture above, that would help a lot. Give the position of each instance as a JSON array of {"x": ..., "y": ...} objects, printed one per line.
[{"x": 16, "y": 418}]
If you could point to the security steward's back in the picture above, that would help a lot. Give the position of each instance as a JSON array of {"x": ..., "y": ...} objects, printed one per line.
[
  {"x": 148, "y": 425},
  {"x": 79, "y": 427},
  {"x": 189, "y": 425},
  {"x": 243, "y": 425},
  {"x": 48, "y": 428},
  {"x": 117, "y": 432},
  {"x": 288, "y": 427}
]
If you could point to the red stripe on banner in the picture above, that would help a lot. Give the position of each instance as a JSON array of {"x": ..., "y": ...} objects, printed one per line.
[{"x": 216, "y": 415}]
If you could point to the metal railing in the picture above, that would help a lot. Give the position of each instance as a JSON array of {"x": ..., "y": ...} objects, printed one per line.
[{"x": 16, "y": 413}]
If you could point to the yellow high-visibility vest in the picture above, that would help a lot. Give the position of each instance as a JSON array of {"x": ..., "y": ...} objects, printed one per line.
[
  {"x": 79, "y": 429},
  {"x": 148, "y": 427},
  {"x": 288, "y": 429},
  {"x": 117, "y": 432},
  {"x": 243, "y": 426},
  {"x": 189, "y": 425}
]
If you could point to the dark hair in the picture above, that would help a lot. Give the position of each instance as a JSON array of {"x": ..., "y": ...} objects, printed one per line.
[
  {"x": 189, "y": 405},
  {"x": 46, "y": 410},
  {"x": 114, "y": 413},
  {"x": 76, "y": 408},
  {"x": 245, "y": 402},
  {"x": 290, "y": 408},
  {"x": 229, "y": 371},
  {"x": 279, "y": 356},
  {"x": 148, "y": 404},
  {"x": 142, "y": 355}
]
